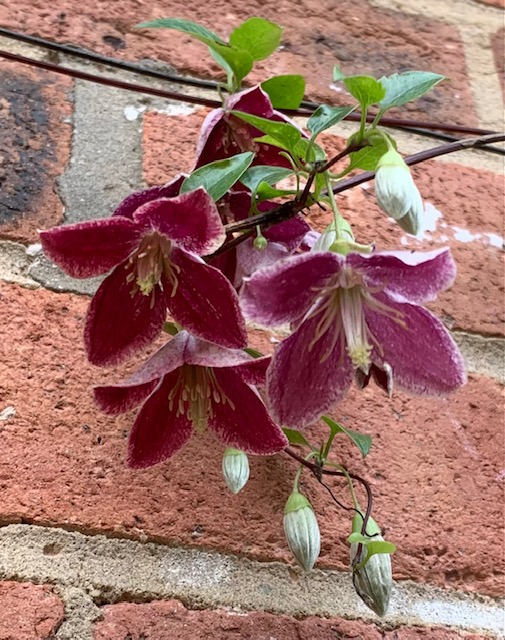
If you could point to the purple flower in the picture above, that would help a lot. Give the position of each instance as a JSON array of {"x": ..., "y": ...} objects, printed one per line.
[
  {"x": 190, "y": 383},
  {"x": 224, "y": 135},
  {"x": 153, "y": 243},
  {"x": 353, "y": 313}
]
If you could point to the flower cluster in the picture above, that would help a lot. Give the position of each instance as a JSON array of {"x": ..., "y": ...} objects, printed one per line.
[{"x": 174, "y": 264}]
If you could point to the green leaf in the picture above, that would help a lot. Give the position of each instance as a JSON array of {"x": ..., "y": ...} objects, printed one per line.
[
  {"x": 338, "y": 74},
  {"x": 170, "y": 328},
  {"x": 264, "y": 173},
  {"x": 252, "y": 352},
  {"x": 265, "y": 192},
  {"x": 325, "y": 117},
  {"x": 217, "y": 177},
  {"x": 295, "y": 437},
  {"x": 362, "y": 441},
  {"x": 379, "y": 546},
  {"x": 185, "y": 26},
  {"x": 239, "y": 61},
  {"x": 368, "y": 157},
  {"x": 285, "y": 92},
  {"x": 259, "y": 37},
  {"x": 284, "y": 132},
  {"x": 404, "y": 87},
  {"x": 316, "y": 152},
  {"x": 365, "y": 89}
]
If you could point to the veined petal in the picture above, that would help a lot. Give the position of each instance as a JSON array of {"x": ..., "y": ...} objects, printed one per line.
[
  {"x": 290, "y": 233},
  {"x": 243, "y": 421},
  {"x": 206, "y": 354},
  {"x": 250, "y": 260},
  {"x": 191, "y": 220},
  {"x": 424, "y": 358},
  {"x": 135, "y": 200},
  {"x": 285, "y": 291},
  {"x": 91, "y": 248},
  {"x": 120, "y": 323},
  {"x": 120, "y": 398},
  {"x": 307, "y": 377},
  {"x": 254, "y": 100},
  {"x": 209, "y": 137},
  {"x": 158, "y": 432},
  {"x": 414, "y": 276},
  {"x": 205, "y": 302}
]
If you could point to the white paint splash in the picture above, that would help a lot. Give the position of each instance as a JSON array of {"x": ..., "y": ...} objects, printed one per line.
[
  {"x": 8, "y": 412},
  {"x": 132, "y": 111}
]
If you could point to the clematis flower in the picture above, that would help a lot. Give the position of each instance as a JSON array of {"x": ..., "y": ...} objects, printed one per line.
[
  {"x": 353, "y": 313},
  {"x": 224, "y": 135},
  {"x": 190, "y": 383},
  {"x": 152, "y": 243}
]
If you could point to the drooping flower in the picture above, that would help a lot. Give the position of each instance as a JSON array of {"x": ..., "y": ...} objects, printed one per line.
[
  {"x": 235, "y": 467},
  {"x": 351, "y": 313},
  {"x": 301, "y": 530},
  {"x": 224, "y": 135},
  {"x": 190, "y": 383},
  {"x": 397, "y": 193},
  {"x": 153, "y": 243}
]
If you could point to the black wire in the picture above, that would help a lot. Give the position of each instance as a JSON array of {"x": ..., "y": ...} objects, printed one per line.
[{"x": 131, "y": 67}]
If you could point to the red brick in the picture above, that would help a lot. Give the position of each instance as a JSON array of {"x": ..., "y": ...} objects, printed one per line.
[
  {"x": 34, "y": 149},
  {"x": 168, "y": 620},
  {"x": 28, "y": 611},
  {"x": 494, "y": 3},
  {"x": 362, "y": 38},
  {"x": 436, "y": 465}
]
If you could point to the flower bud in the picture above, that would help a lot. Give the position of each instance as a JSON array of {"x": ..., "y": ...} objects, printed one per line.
[
  {"x": 260, "y": 243},
  {"x": 373, "y": 581},
  {"x": 235, "y": 469},
  {"x": 301, "y": 530},
  {"x": 397, "y": 193}
]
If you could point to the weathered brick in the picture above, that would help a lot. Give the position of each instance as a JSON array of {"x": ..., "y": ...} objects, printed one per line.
[
  {"x": 360, "y": 37},
  {"x": 436, "y": 465},
  {"x": 497, "y": 42},
  {"x": 28, "y": 611},
  {"x": 34, "y": 149},
  {"x": 165, "y": 620}
]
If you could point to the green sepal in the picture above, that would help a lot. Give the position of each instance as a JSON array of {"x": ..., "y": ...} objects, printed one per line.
[{"x": 295, "y": 502}]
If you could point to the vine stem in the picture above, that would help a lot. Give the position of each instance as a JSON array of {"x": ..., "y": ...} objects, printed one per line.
[{"x": 317, "y": 470}]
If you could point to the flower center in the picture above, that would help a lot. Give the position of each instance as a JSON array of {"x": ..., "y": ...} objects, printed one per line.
[
  {"x": 151, "y": 260},
  {"x": 340, "y": 305},
  {"x": 194, "y": 394}
]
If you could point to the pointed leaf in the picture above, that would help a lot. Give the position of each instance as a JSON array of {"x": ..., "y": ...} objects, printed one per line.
[
  {"x": 365, "y": 89},
  {"x": 218, "y": 177},
  {"x": 325, "y": 117},
  {"x": 284, "y": 132},
  {"x": 238, "y": 60},
  {"x": 263, "y": 173},
  {"x": 295, "y": 437},
  {"x": 259, "y": 37},
  {"x": 404, "y": 87},
  {"x": 338, "y": 74},
  {"x": 362, "y": 441},
  {"x": 185, "y": 26},
  {"x": 285, "y": 92},
  {"x": 368, "y": 157}
]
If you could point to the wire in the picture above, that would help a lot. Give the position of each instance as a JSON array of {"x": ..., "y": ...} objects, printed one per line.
[{"x": 417, "y": 127}]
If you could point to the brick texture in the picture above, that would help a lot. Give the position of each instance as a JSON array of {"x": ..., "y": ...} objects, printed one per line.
[
  {"x": 28, "y": 611},
  {"x": 436, "y": 465},
  {"x": 170, "y": 619},
  {"x": 361, "y": 38},
  {"x": 34, "y": 149}
]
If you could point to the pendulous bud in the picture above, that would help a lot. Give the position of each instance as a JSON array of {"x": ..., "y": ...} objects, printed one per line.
[
  {"x": 374, "y": 580},
  {"x": 397, "y": 193},
  {"x": 260, "y": 243},
  {"x": 235, "y": 469},
  {"x": 301, "y": 530}
]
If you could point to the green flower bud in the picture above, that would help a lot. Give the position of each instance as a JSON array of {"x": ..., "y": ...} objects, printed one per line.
[
  {"x": 235, "y": 469},
  {"x": 260, "y": 243},
  {"x": 374, "y": 580},
  {"x": 397, "y": 193},
  {"x": 301, "y": 530}
]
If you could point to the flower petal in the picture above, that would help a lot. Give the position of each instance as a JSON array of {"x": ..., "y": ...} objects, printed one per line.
[
  {"x": 304, "y": 382},
  {"x": 290, "y": 233},
  {"x": 120, "y": 323},
  {"x": 158, "y": 432},
  {"x": 205, "y": 302},
  {"x": 191, "y": 220},
  {"x": 91, "y": 248},
  {"x": 120, "y": 398},
  {"x": 250, "y": 260},
  {"x": 135, "y": 200},
  {"x": 245, "y": 424},
  {"x": 414, "y": 276},
  {"x": 285, "y": 291},
  {"x": 423, "y": 356},
  {"x": 206, "y": 354}
]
